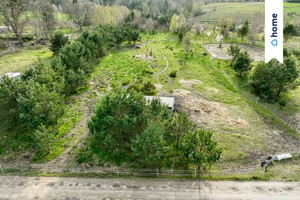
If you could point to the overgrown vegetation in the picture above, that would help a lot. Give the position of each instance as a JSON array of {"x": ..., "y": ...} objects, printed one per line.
[
  {"x": 127, "y": 128},
  {"x": 34, "y": 103},
  {"x": 128, "y": 131},
  {"x": 271, "y": 79}
]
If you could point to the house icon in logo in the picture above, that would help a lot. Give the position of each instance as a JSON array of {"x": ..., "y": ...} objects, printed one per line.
[{"x": 274, "y": 42}]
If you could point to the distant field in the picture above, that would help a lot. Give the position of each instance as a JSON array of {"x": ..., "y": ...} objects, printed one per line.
[
  {"x": 245, "y": 10},
  {"x": 20, "y": 61}
]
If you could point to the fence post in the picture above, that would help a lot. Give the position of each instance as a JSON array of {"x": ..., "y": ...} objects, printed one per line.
[
  {"x": 195, "y": 172},
  {"x": 157, "y": 172},
  {"x": 257, "y": 99}
]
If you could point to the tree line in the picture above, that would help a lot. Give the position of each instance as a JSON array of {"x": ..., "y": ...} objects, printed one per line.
[{"x": 267, "y": 80}]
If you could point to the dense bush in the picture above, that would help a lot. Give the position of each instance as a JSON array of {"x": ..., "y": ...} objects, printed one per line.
[
  {"x": 173, "y": 74},
  {"x": 242, "y": 63},
  {"x": 199, "y": 148},
  {"x": 39, "y": 105},
  {"x": 10, "y": 89},
  {"x": 126, "y": 128},
  {"x": 34, "y": 103},
  {"x": 149, "y": 148},
  {"x": 234, "y": 51},
  {"x": 271, "y": 79},
  {"x": 296, "y": 53},
  {"x": 286, "y": 52},
  {"x": 58, "y": 41},
  {"x": 146, "y": 88}
]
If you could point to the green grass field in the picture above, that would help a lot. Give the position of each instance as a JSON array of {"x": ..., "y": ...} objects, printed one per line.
[
  {"x": 244, "y": 11},
  {"x": 20, "y": 61}
]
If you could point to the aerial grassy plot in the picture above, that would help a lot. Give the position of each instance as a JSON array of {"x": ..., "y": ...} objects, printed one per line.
[{"x": 216, "y": 110}]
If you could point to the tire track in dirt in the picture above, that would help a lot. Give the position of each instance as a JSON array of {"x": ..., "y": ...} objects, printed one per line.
[{"x": 50, "y": 188}]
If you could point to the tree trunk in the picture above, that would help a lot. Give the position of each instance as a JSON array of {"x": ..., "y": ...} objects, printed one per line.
[
  {"x": 279, "y": 91},
  {"x": 19, "y": 37}
]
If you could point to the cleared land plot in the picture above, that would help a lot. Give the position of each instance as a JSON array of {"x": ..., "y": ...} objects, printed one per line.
[
  {"x": 256, "y": 53},
  {"x": 20, "y": 61}
]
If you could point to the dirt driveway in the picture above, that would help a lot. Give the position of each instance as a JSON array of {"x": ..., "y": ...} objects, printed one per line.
[
  {"x": 34, "y": 188},
  {"x": 257, "y": 53}
]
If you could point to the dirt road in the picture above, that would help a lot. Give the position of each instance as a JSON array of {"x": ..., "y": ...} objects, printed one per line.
[{"x": 33, "y": 188}]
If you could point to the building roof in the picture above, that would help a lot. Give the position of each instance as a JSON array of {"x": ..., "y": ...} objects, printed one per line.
[
  {"x": 167, "y": 101},
  {"x": 13, "y": 75},
  {"x": 6, "y": 27}
]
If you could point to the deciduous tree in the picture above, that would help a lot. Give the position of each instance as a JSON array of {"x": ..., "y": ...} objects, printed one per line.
[
  {"x": 14, "y": 12},
  {"x": 78, "y": 11}
]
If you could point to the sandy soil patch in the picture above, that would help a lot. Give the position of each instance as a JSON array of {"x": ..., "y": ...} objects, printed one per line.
[
  {"x": 190, "y": 83},
  {"x": 237, "y": 122},
  {"x": 181, "y": 92},
  {"x": 159, "y": 87},
  {"x": 144, "y": 57},
  {"x": 201, "y": 110},
  {"x": 256, "y": 53},
  {"x": 215, "y": 90}
]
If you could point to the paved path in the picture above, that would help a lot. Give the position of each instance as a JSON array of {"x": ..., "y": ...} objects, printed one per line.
[{"x": 33, "y": 188}]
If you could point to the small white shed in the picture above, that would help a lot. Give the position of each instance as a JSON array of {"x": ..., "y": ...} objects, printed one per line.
[{"x": 167, "y": 101}]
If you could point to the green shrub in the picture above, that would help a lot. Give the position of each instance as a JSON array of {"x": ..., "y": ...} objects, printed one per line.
[
  {"x": 242, "y": 63},
  {"x": 296, "y": 53},
  {"x": 148, "y": 148},
  {"x": 282, "y": 103},
  {"x": 173, "y": 74},
  {"x": 126, "y": 128},
  {"x": 39, "y": 105},
  {"x": 119, "y": 118},
  {"x": 286, "y": 52},
  {"x": 10, "y": 90},
  {"x": 134, "y": 87},
  {"x": 234, "y": 51},
  {"x": 199, "y": 149},
  {"x": 148, "y": 88},
  {"x": 58, "y": 41},
  {"x": 271, "y": 79}
]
